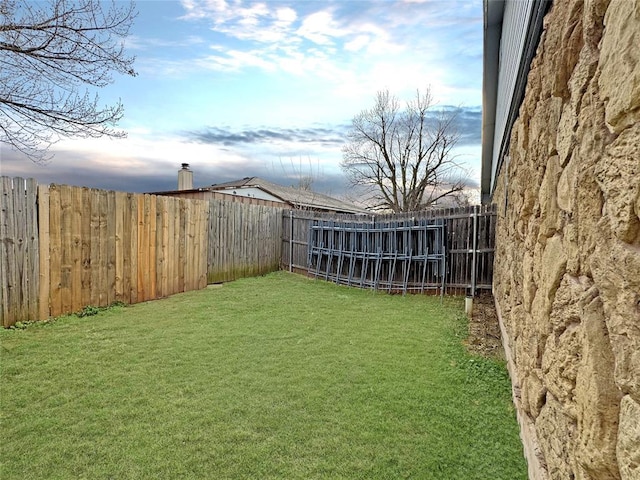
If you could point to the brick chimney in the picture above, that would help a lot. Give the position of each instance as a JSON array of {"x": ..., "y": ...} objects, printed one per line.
[{"x": 185, "y": 178}]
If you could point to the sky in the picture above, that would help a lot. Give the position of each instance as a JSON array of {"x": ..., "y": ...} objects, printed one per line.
[{"x": 269, "y": 88}]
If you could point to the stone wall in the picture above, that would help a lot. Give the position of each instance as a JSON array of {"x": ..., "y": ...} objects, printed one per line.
[{"x": 567, "y": 271}]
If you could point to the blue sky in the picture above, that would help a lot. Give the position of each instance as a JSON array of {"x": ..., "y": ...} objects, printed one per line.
[{"x": 238, "y": 88}]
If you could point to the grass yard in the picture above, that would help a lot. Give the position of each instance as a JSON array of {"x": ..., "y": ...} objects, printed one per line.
[{"x": 276, "y": 377}]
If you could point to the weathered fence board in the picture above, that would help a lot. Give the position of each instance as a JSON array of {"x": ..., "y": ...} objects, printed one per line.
[
  {"x": 45, "y": 259},
  {"x": 19, "y": 255},
  {"x": 243, "y": 240}
]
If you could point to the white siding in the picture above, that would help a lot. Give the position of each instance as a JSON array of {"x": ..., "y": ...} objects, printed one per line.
[
  {"x": 517, "y": 15},
  {"x": 253, "y": 192}
]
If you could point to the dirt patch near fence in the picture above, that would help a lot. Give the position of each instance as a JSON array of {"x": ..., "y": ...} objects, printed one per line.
[{"x": 484, "y": 332}]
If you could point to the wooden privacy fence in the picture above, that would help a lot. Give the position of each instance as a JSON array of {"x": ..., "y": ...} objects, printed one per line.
[
  {"x": 244, "y": 240},
  {"x": 469, "y": 236},
  {"x": 99, "y": 247},
  {"x": 63, "y": 248}
]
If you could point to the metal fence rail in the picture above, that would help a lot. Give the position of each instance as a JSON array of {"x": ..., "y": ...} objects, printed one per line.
[
  {"x": 312, "y": 242},
  {"x": 406, "y": 255}
]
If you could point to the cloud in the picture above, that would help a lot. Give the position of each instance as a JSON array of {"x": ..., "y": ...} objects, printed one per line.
[
  {"x": 258, "y": 22},
  {"x": 229, "y": 137},
  {"x": 321, "y": 28},
  {"x": 356, "y": 47},
  {"x": 468, "y": 123},
  {"x": 135, "y": 42},
  {"x": 149, "y": 163}
]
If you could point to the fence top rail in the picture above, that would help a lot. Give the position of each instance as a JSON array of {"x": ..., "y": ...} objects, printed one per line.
[
  {"x": 446, "y": 213},
  {"x": 358, "y": 227}
]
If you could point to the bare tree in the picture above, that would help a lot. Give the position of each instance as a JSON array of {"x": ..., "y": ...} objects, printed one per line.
[
  {"x": 403, "y": 157},
  {"x": 49, "y": 51}
]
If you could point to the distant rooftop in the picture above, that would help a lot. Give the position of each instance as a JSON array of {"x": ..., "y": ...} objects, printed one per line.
[{"x": 294, "y": 196}]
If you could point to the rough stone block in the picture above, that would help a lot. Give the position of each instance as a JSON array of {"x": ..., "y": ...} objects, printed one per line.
[
  {"x": 618, "y": 176},
  {"x": 560, "y": 362},
  {"x": 556, "y": 434},
  {"x": 547, "y": 198},
  {"x": 533, "y": 393},
  {"x": 597, "y": 398},
  {"x": 567, "y": 186},
  {"x": 616, "y": 268},
  {"x": 620, "y": 64},
  {"x": 628, "y": 447}
]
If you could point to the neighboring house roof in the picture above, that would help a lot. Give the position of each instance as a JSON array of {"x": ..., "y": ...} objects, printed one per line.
[
  {"x": 512, "y": 30},
  {"x": 293, "y": 196}
]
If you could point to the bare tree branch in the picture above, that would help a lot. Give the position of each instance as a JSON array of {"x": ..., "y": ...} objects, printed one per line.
[
  {"x": 49, "y": 51},
  {"x": 404, "y": 156}
]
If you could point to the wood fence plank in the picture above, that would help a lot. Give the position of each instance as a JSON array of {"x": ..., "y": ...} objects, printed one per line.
[
  {"x": 20, "y": 253},
  {"x": 152, "y": 248},
  {"x": 146, "y": 250},
  {"x": 197, "y": 224},
  {"x": 195, "y": 260},
  {"x": 33, "y": 250},
  {"x": 134, "y": 227},
  {"x": 210, "y": 241},
  {"x": 188, "y": 247},
  {"x": 170, "y": 249},
  {"x": 110, "y": 220},
  {"x": 55, "y": 250},
  {"x": 161, "y": 253},
  {"x": 216, "y": 238},
  {"x": 94, "y": 247},
  {"x": 66, "y": 249},
  {"x": 244, "y": 239},
  {"x": 103, "y": 286},
  {"x": 190, "y": 252},
  {"x": 234, "y": 257},
  {"x": 204, "y": 238},
  {"x": 182, "y": 232},
  {"x": 87, "y": 235},
  {"x": 76, "y": 249},
  {"x": 175, "y": 251},
  {"x": 44, "y": 237},
  {"x": 119, "y": 212},
  {"x": 142, "y": 241},
  {"x": 223, "y": 232},
  {"x": 7, "y": 238},
  {"x": 231, "y": 260},
  {"x": 126, "y": 247}
]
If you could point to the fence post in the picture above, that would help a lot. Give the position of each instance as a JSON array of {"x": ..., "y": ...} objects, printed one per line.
[
  {"x": 291, "y": 240},
  {"x": 475, "y": 250}
]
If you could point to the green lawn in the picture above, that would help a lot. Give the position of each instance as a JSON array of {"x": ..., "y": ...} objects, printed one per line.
[{"x": 274, "y": 377}]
